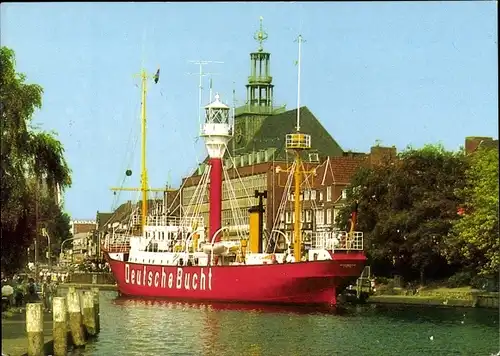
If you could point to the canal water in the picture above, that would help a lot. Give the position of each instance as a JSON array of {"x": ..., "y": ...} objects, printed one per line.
[{"x": 140, "y": 328}]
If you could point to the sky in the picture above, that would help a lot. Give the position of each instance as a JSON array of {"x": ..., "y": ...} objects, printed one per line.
[{"x": 398, "y": 73}]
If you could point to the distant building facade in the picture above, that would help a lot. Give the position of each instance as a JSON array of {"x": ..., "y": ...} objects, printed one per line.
[{"x": 82, "y": 231}]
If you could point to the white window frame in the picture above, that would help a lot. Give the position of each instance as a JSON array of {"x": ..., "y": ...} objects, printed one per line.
[
  {"x": 329, "y": 193},
  {"x": 308, "y": 216},
  {"x": 319, "y": 216}
]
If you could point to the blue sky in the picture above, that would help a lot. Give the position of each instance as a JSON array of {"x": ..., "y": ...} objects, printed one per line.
[{"x": 402, "y": 73}]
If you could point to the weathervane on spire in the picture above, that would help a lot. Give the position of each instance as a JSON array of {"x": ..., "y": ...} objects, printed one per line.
[{"x": 261, "y": 35}]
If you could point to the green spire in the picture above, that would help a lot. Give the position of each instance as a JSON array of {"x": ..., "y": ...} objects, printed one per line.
[{"x": 261, "y": 35}]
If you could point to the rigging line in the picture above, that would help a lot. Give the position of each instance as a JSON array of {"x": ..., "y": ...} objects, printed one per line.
[
  {"x": 127, "y": 157},
  {"x": 249, "y": 201},
  {"x": 177, "y": 196},
  {"x": 284, "y": 197},
  {"x": 238, "y": 218},
  {"x": 197, "y": 198},
  {"x": 199, "y": 194},
  {"x": 232, "y": 195},
  {"x": 282, "y": 204}
]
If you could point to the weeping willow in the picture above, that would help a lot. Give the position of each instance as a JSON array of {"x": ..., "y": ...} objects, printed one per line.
[{"x": 32, "y": 163}]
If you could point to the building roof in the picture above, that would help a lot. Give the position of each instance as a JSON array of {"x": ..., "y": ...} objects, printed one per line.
[
  {"x": 122, "y": 213},
  {"x": 103, "y": 218},
  {"x": 339, "y": 170},
  {"x": 490, "y": 144},
  {"x": 274, "y": 129}
]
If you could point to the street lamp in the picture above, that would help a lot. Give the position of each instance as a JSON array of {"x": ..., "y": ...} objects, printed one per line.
[
  {"x": 46, "y": 234},
  {"x": 71, "y": 238}
]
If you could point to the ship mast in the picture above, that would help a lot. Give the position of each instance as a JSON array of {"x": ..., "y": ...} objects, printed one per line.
[
  {"x": 298, "y": 142},
  {"x": 144, "y": 173}
]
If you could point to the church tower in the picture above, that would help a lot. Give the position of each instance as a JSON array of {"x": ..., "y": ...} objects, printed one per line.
[
  {"x": 260, "y": 87},
  {"x": 259, "y": 96}
]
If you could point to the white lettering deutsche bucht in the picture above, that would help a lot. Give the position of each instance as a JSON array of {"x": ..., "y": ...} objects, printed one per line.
[{"x": 181, "y": 279}]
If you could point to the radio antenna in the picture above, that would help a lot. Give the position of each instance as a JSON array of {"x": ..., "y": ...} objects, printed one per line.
[{"x": 201, "y": 74}]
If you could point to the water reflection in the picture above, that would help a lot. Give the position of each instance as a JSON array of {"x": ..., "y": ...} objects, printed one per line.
[
  {"x": 158, "y": 327},
  {"x": 247, "y": 307}
]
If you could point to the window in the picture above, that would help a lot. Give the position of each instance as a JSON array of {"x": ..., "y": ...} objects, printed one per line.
[
  {"x": 344, "y": 193},
  {"x": 288, "y": 217},
  {"x": 313, "y": 195},
  {"x": 307, "y": 194},
  {"x": 335, "y": 212},
  {"x": 308, "y": 215},
  {"x": 320, "y": 196},
  {"x": 319, "y": 217},
  {"x": 313, "y": 157},
  {"x": 328, "y": 193},
  {"x": 329, "y": 216},
  {"x": 282, "y": 217}
]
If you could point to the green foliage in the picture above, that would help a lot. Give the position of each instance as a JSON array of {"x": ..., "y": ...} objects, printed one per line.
[
  {"x": 406, "y": 209},
  {"x": 460, "y": 279},
  {"x": 32, "y": 165},
  {"x": 474, "y": 237}
]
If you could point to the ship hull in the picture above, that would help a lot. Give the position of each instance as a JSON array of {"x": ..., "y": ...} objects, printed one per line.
[{"x": 312, "y": 283}]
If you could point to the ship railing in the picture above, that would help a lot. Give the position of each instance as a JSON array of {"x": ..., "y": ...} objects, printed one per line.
[
  {"x": 116, "y": 248},
  {"x": 117, "y": 242},
  {"x": 339, "y": 240},
  {"x": 175, "y": 221},
  {"x": 298, "y": 141}
]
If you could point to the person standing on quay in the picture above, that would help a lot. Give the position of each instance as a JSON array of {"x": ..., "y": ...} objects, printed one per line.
[{"x": 47, "y": 294}]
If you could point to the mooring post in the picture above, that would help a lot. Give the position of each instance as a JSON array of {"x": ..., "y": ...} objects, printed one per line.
[
  {"x": 89, "y": 313},
  {"x": 75, "y": 319},
  {"x": 34, "y": 327},
  {"x": 95, "y": 292},
  {"x": 60, "y": 326}
]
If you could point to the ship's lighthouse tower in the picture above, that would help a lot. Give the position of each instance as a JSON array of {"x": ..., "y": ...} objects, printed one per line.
[{"x": 217, "y": 132}]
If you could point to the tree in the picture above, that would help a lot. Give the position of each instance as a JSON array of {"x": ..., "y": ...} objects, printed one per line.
[
  {"x": 31, "y": 159},
  {"x": 406, "y": 209},
  {"x": 474, "y": 236}
]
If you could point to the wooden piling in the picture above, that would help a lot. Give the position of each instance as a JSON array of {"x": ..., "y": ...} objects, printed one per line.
[
  {"x": 89, "y": 313},
  {"x": 34, "y": 327},
  {"x": 75, "y": 319},
  {"x": 59, "y": 329},
  {"x": 97, "y": 312}
]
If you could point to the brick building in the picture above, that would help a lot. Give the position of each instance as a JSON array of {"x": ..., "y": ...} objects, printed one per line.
[{"x": 472, "y": 143}]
